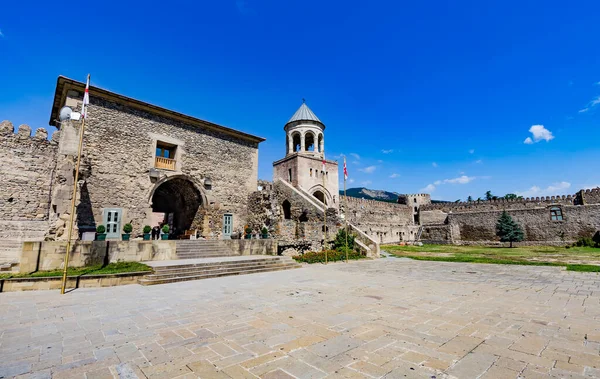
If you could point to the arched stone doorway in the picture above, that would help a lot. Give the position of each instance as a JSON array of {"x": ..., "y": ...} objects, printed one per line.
[
  {"x": 180, "y": 200},
  {"x": 321, "y": 196}
]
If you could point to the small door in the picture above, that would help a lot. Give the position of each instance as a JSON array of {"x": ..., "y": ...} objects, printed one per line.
[
  {"x": 112, "y": 222},
  {"x": 227, "y": 226}
]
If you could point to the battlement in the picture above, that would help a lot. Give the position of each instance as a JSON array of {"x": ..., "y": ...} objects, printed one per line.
[
  {"x": 423, "y": 195},
  {"x": 23, "y": 133},
  {"x": 588, "y": 196},
  {"x": 502, "y": 203}
]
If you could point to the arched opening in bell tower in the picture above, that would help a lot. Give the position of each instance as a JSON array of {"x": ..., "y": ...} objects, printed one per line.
[
  {"x": 296, "y": 142},
  {"x": 309, "y": 142}
]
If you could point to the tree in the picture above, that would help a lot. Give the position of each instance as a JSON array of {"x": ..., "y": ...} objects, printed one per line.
[
  {"x": 512, "y": 196},
  {"x": 470, "y": 198},
  {"x": 508, "y": 230},
  {"x": 488, "y": 195},
  {"x": 340, "y": 240}
]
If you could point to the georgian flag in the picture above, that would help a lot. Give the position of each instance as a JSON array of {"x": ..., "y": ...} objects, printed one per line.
[
  {"x": 86, "y": 98},
  {"x": 345, "y": 170},
  {"x": 324, "y": 162}
]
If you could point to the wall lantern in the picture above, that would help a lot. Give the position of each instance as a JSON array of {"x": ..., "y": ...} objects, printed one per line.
[
  {"x": 207, "y": 183},
  {"x": 154, "y": 173}
]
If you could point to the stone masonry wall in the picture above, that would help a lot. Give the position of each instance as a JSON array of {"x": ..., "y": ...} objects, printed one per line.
[
  {"x": 579, "y": 221},
  {"x": 25, "y": 173},
  {"x": 590, "y": 196},
  {"x": 119, "y": 151},
  {"x": 382, "y": 221}
]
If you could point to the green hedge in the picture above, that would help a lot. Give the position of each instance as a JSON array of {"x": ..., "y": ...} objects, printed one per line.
[{"x": 332, "y": 256}]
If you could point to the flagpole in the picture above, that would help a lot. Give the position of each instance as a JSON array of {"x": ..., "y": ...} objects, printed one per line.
[
  {"x": 346, "y": 209},
  {"x": 325, "y": 213},
  {"x": 72, "y": 216}
]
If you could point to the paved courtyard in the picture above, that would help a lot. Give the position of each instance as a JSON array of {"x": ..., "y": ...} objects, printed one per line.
[{"x": 391, "y": 318}]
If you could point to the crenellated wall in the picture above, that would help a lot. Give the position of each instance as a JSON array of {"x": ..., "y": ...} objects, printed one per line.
[
  {"x": 384, "y": 222},
  {"x": 588, "y": 196},
  {"x": 475, "y": 206},
  {"x": 25, "y": 173}
]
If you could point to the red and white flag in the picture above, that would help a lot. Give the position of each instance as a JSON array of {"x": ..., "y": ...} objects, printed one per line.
[
  {"x": 324, "y": 162},
  {"x": 86, "y": 98},
  {"x": 345, "y": 170}
]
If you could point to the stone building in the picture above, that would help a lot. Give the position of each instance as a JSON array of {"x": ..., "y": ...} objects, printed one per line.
[
  {"x": 141, "y": 160},
  {"x": 141, "y": 164}
]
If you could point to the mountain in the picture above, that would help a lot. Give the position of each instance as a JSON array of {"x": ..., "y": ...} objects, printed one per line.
[{"x": 369, "y": 194}]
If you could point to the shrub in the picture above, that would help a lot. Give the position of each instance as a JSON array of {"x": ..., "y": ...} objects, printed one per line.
[
  {"x": 127, "y": 228},
  {"x": 100, "y": 229},
  {"x": 147, "y": 229},
  {"x": 340, "y": 240},
  {"x": 165, "y": 228},
  {"x": 585, "y": 242},
  {"x": 332, "y": 256},
  {"x": 265, "y": 230},
  {"x": 248, "y": 230}
]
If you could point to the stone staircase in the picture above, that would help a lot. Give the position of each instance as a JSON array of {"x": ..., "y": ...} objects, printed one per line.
[
  {"x": 192, "y": 249},
  {"x": 205, "y": 268}
]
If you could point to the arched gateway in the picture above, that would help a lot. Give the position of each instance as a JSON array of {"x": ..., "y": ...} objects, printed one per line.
[{"x": 179, "y": 199}]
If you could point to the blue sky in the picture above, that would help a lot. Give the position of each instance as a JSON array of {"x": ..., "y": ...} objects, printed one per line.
[{"x": 438, "y": 96}]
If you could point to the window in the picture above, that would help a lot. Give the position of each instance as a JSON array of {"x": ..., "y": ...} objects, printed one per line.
[
  {"x": 290, "y": 175},
  {"x": 287, "y": 210},
  {"x": 227, "y": 225},
  {"x": 311, "y": 172},
  {"x": 416, "y": 209},
  {"x": 165, "y": 156},
  {"x": 556, "y": 214},
  {"x": 415, "y": 199}
]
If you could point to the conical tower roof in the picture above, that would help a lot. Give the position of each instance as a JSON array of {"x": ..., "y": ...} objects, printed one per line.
[{"x": 304, "y": 114}]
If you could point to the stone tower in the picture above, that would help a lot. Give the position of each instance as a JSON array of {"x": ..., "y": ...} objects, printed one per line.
[{"x": 305, "y": 153}]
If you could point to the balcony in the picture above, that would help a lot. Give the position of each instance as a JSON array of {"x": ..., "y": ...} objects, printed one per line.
[{"x": 164, "y": 163}]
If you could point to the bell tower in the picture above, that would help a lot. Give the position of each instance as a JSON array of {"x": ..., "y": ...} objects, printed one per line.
[{"x": 305, "y": 158}]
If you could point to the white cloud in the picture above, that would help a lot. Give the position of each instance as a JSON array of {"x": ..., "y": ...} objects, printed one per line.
[
  {"x": 460, "y": 180},
  {"x": 591, "y": 104},
  {"x": 368, "y": 170},
  {"x": 379, "y": 161},
  {"x": 597, "y": 83},
  {"x": 437, "y": 182},
  {"x": 479, "y": 161},
  {"x": 387, "y": 151},
  {"x": 350, "y": 181},
  {"x": 356, "y": 156},
  {"x": 430, "y": 188},
  {"x": 472, "y": 151},
  {"x": 434, "y": 164},
  {"x": 553, "y": 189},
  {"x": 539, "y": 133},
  {"x": 366, "y": 182},
  {"x": 394, "y": 175}
]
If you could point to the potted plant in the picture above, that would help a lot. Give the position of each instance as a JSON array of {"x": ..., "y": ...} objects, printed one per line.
[
  {"x": 265, "y": 232},
  {"x": 165, "y": 230},
  {"x": 248, "y": 231},
  {"x": 100, "y": 233},
  {"x": 127, "y": 228},
  {"x": 147, "y": 230}
]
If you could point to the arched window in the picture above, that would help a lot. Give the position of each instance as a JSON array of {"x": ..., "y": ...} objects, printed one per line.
[
  {"x": 321, "y": 196},
  {"x": 296, "y": 142},
  {"x": 287, "y": 210},
  {"x": 556, "y": 214},
  {"x": 320, "y": 143},
  {"x": 309, "y": 141}
]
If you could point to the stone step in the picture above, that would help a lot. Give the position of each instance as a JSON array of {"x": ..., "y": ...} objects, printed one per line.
[
  {"x": 147, "y": 282},
  {"x": 220, "y": 271},
  {"x": 217, "y": 262},
  {"x": 214, "y": 266}
]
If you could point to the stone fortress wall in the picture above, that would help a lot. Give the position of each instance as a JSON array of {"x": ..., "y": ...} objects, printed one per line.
[
  {"x": 385, "y": 222},
  {"x": 475, "y": 222},
  {"x": 26, "y": 178}
]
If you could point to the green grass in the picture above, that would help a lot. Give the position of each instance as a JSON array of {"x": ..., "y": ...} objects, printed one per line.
[
  {"x": 111, "y": 268},
  {"x": 574, "y": 258},
  {"x": 583, "y": 268}
]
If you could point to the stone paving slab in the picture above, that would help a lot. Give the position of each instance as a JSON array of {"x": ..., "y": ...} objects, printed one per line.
[{"x": 386, "y": 318}]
